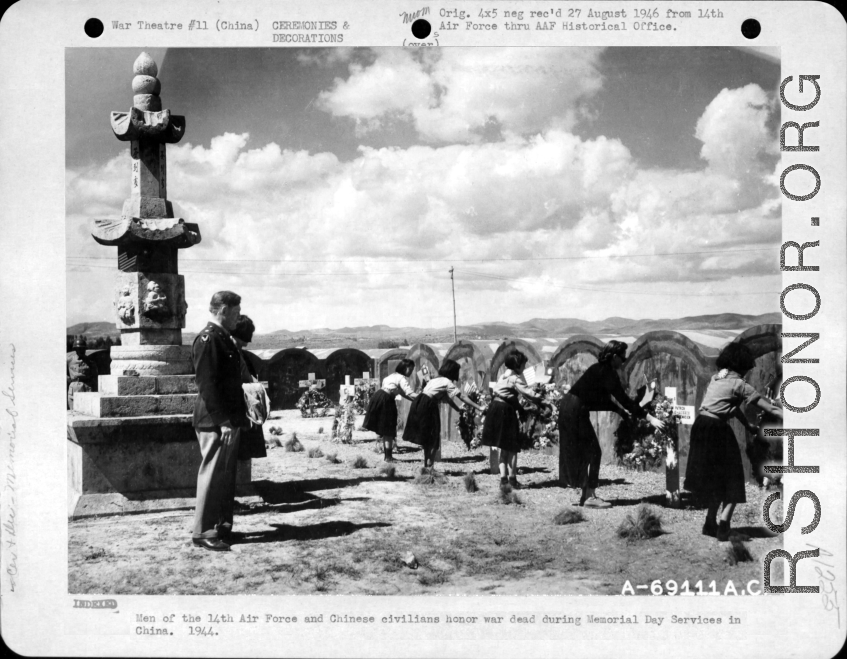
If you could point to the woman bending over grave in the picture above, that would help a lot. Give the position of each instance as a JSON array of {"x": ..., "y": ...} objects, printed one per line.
[
  {"x": 579, "y": 448},
  {"x": 423, "y": 426},
  {"x": 381, "y": 416},
  {"x": 502, "y": 427},
  {"x": 715, "y": 470}
]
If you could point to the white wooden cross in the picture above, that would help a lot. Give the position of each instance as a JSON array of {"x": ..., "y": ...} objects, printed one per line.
[
  {"x": 366, "y": 379},
  {"x": 312, "y": 381},
  {"x": 346, "y": 390}
]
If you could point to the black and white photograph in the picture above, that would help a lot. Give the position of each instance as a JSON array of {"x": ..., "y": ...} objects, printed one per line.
[
  {"x": 485, "y": 328},
  {"x": 577, "y": 244}
]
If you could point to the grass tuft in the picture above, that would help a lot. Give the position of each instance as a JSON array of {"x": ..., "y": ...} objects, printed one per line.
[
  {"x": 737, "y": 552},
  {"x": 332, "y": 458},
  {"x": 646, "y": 524},
  {"x": 95, "y": 554},
  {"x": 568, "y": 516},
  {"x": 507, "y": 496},
  {"x": 360, "y": 463},
  {"x": 292, "y": 444},
  {"x": 273, "y": 442},
  {"x": 430, "y": 477},
  {"x": 470, "y": 482},
  {"x": 389, "y": 471},
  {"x": 315, "y": 452}
]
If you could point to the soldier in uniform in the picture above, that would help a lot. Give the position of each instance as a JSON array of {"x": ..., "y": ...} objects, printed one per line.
[
  {"x": 81, "y": 370},
  {"x": 219, "y": 416}
]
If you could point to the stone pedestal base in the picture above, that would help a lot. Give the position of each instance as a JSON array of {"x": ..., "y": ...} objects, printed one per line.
[
  {"x": 151, "y": 360},
  {"x": 135, "y": 465}
]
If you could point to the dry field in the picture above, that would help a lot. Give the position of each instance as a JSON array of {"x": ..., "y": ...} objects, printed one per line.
[{"x": 335, "y": 528}]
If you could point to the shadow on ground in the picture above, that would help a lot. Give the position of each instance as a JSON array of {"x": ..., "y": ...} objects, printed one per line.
[{"x": 283, "y": 532}]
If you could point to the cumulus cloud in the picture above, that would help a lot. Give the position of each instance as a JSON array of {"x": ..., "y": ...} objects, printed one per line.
[
  {"x": 734, "y": 131},
  {"x": 461, "y": 95}
]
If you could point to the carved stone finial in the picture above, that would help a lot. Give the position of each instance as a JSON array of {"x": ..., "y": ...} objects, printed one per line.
[
  {"x": 146, "y": 85},
  {"x": 144, "y": 65}
]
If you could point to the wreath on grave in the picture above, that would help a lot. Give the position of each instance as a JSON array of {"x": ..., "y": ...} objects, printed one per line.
[
  {"x": 470, "y": 421},
  {"x": 363, "y": 397},
  {"x": 640, "y": 446},
  {"x": 539, "y": 423},
  {"x": 313, "y": 403},
  {"x": 345, "y": 419}
]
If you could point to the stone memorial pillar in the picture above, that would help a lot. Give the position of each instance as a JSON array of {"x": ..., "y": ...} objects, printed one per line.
[{"x": 131, "y": 445}]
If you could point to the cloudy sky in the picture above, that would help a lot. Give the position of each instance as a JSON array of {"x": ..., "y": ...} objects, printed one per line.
[{"x": 335, "y": 187}]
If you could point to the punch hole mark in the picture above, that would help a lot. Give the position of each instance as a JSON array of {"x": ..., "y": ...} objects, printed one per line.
[
  {"x": 751, "y": 28},
  {"x": 94, "y": 27},
  {"x": 421, "y": 28}
]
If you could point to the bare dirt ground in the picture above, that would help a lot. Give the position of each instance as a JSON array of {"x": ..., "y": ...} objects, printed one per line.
[{"x": 336, "y": 529}]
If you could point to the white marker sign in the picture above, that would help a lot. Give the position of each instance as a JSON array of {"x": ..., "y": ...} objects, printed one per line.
[
  {"x": 670, "y": 393},
  {"x": 685, "y": 413}
]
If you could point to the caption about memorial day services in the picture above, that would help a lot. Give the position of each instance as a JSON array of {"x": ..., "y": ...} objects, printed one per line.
[{"x": 221, "y": 624}]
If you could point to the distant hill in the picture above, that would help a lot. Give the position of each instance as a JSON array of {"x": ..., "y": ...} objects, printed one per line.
[
  {"x": 370, "y": 336},
  {"x": 94, "y": 329}
]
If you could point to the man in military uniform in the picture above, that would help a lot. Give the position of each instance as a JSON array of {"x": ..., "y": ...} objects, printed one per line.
[
  {"x": 219, "y": 415},
  {"x": 81, "y": 370}
]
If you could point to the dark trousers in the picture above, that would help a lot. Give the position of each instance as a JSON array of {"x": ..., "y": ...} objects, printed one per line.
[
  {"x": 215, "y": 482},
  {"x": 579, "y": 448}
]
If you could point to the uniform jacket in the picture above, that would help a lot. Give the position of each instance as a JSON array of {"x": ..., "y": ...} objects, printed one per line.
[{"x": 217, "y": 371}]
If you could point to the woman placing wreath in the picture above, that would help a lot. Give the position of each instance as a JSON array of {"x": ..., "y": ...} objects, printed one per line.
[
  {"x": 579, "y": 448},
  {"x": 423, "y": 425},
  {"x": 502, "y": 427},
  {"x": 714, "y": 469},
  {"x": 381, "y": 416}
]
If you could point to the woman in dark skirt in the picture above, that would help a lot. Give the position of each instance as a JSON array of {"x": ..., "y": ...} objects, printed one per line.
[
  {"x": 423, "y": 425},
  {"x": 579, "y": 448},
  {"x": 502, "y": 423},
  {"x": 381, "y": 415},
  {"x": 715, "y": 470},
  {"x": 251, "y": 442}
]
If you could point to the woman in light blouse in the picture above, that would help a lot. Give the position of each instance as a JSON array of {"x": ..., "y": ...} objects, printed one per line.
[
  {"x": 381, "y": 416},
  {"x": 423, "y": 426},
  {"x": 502, "y": 423},
  {"x": 714, "y": 469}
]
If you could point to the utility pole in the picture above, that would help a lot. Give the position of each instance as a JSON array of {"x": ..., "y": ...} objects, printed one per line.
[{"x": 453, "y": 288}]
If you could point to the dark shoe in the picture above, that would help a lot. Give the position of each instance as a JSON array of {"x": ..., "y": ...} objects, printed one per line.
[
  {"x": 723, "y": 531},
  {"x": 514, "y": 483},
  {"x": 212, "y": 544},
  {"x": 710, "y": 528},
  {"x": 503, "y": 481}
]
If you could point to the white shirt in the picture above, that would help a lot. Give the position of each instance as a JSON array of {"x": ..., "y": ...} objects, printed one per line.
[
  {"x": 395, "y": 383},
  {"x": 440, "y": 388}
]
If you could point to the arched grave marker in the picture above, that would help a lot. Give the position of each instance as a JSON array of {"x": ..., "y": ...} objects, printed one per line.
[
  {"x": 671, "y": 360},
  {"x": 765, "y": 342},
  {"x": 284, "y": 371}
]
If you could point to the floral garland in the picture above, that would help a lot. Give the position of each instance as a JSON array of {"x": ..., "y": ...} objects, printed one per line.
[
  {"x": 313, "y": 403},
  {"x": 542, "y": 422},
  {"x": 345, "y": 419},
  {"x": 470, "y": 421},
  {"x": 639, "y": 445},
  {"x": 363, "y": 397}
]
